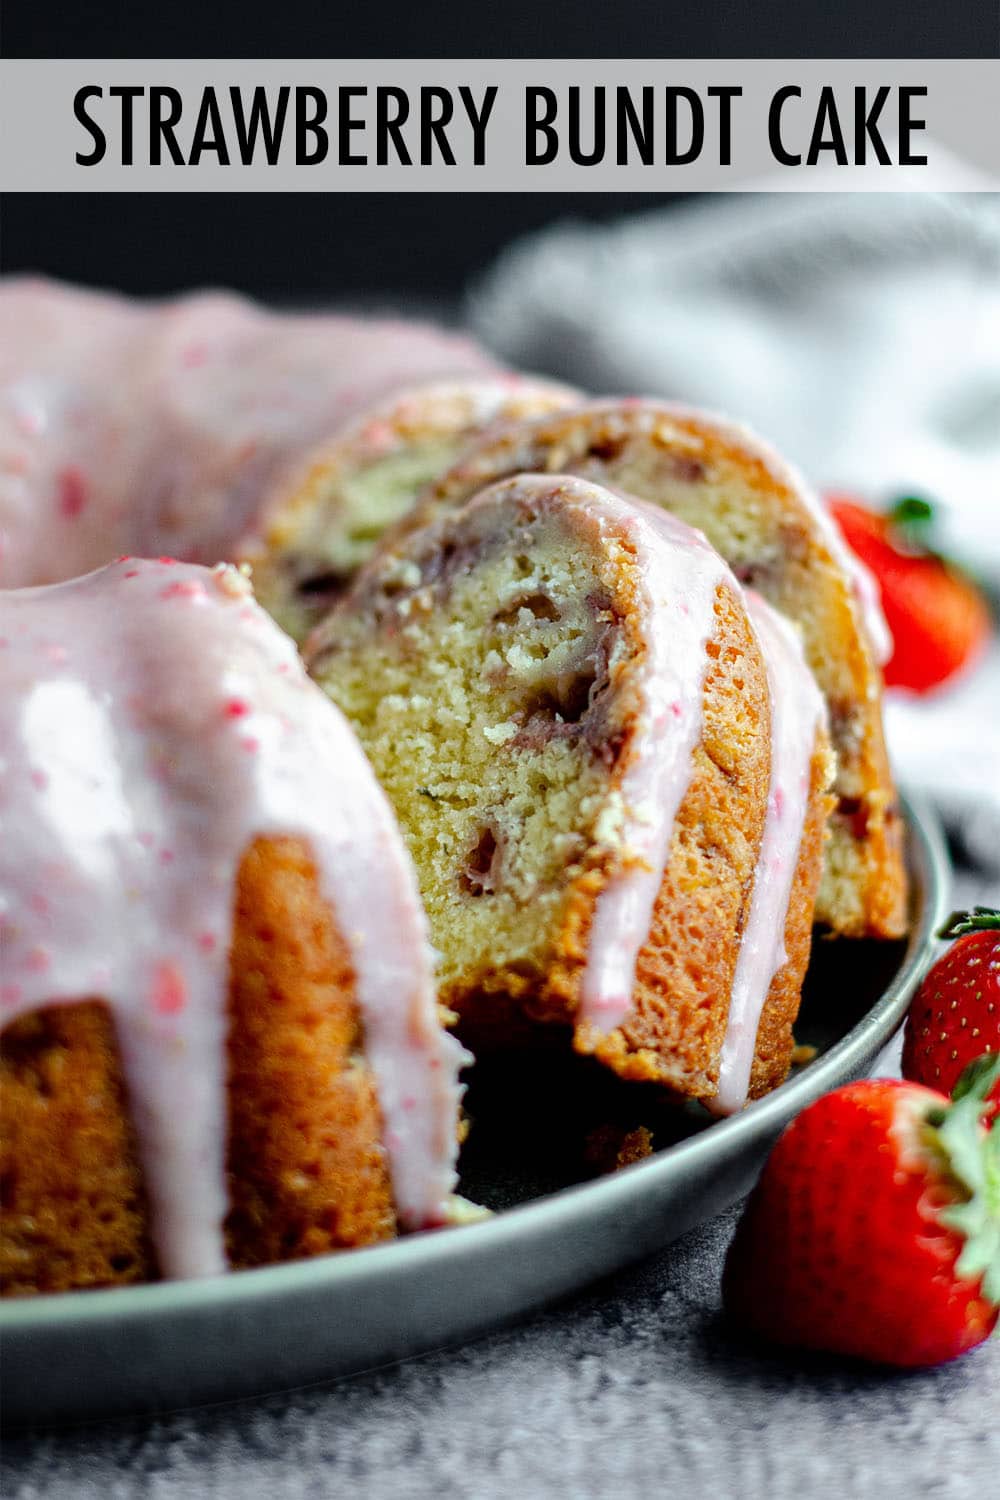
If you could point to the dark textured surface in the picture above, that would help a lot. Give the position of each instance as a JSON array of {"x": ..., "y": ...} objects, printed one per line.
[{"x": 634, "y": 1389}]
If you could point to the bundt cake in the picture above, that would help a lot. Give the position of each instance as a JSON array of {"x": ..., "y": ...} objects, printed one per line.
[
  {"x": 328, "y": 518},
  {"x": 776, "y": 537},
  {"x": 611, "y": 777},
  {"x": 220, "y": 1036},
  {"x": 164, "y": 428}
]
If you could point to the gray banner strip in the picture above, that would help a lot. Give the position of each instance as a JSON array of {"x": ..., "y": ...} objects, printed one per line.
[{"x": 497, "y": 126}]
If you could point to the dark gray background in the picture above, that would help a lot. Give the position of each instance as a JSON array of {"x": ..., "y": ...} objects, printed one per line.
[
  {"x": 308, "y": 247},
  {"x": 456, "y": 28}
]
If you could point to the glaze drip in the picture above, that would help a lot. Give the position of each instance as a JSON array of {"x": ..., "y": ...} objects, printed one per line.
[
  {"x": 679, "y": 573},
  {"x": 797, "y": 713}
]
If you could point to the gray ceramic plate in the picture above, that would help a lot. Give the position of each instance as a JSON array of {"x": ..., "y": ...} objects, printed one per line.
[{"x": 185, "y": 1342}]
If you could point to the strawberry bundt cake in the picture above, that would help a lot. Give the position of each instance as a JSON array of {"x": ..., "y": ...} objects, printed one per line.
[
  {"x": 608, "y": 756},
  {"x": 776, "y": 537},
  {"x": 220, "y": 1042},
  {"x": 611, "y": 775}
]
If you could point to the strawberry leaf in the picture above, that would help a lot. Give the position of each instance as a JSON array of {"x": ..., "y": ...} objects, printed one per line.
[
  {"x": 978, "y": 1220},
  {"x": 978, "y": 1078},
  {"x": 971, "y": 1156},
  {"x": 979, "y": 919}
]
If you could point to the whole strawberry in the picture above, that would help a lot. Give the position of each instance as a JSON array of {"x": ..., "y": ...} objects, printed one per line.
[
  {"x": 874, "y": 1230},
  {"x": 955, "y": 1014},
  {"x": 938, "y": 619}
]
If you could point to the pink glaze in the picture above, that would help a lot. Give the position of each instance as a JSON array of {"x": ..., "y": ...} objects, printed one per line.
[
  {"x": 153, "y": 722},
  {"x": 679, "y": 574},
  {"x": 155, "y": 428},
  {"x": 797, "y": 712}
]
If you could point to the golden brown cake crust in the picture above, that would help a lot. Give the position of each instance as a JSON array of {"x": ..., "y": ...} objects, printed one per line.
[
  {"x": 673, "y": 458},
  {"x": 684, "y": 974},
  {"x": 73, "y": 1212},
  {"x": 307, "y": 1172}
]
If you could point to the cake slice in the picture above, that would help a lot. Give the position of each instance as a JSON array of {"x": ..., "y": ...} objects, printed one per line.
[
  {"x": 569, "y": 706},
  {"x": 328, "y": 515},
  {"x": 777, "y": 537}
]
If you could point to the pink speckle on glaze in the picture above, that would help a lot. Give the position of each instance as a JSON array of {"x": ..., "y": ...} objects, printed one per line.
[
  {"x": 235, "y": 708},
  {"x": 168, "y": 994},
  {"x": 29, "y": 422},
  {"x": 130, "y": 727},
  {"x": 72, "y": 491},
  {"x": 380, "y": 436},
  {"x": 190, "y": 588}
]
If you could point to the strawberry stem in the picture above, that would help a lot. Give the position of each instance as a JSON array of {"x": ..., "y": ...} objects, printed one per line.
[
  {"x": 913, "y": 518},
  {"x": 911, "y": 509},
  {"x": 979, "y": 919}
]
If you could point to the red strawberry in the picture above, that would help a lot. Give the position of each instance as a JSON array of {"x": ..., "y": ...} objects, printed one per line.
[
  {"x": 874, "y": 1230},
  {"x": 955, "y": 1014},
  {"x": 938, "y": 618}
]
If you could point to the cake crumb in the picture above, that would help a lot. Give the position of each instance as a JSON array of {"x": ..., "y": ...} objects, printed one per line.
[
  {"x": 611, "y": 1147},
  {"x": 499, "y": 734}
]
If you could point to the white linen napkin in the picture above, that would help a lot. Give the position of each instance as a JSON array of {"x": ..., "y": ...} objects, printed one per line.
[{"x": 858, "y": 332}]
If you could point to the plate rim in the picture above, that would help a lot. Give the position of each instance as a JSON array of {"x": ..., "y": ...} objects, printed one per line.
[{"x": 87, "y": 1311}]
